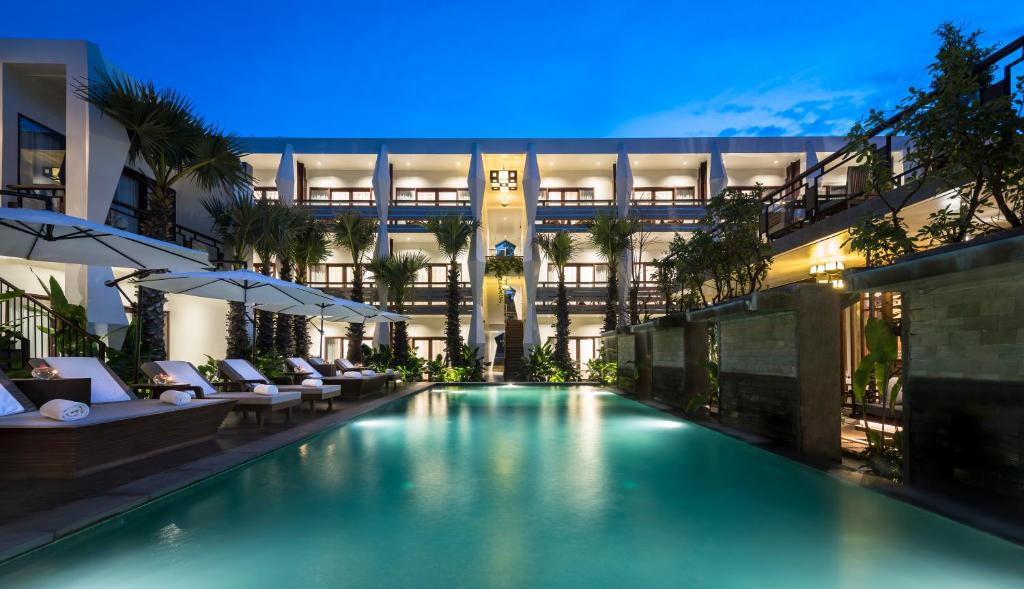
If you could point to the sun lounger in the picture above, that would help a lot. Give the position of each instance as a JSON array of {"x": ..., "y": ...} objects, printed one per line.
[
  {"x": 115, "y": 431},
  {"x": 242, "y": 373},
  {"x": 245, "y": 401},
  {"x": 344, "y": 365}
]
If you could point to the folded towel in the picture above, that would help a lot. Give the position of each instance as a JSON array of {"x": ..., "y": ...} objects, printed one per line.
[
  {"x": 265, "y": 389},
  {"x": 368, "y": 372},
  {"x": 352, "y": 374},
  {"x": 389, "y": 371},
  {"x": 64, "y": 410},
  {"x": 175, "y": 397},
  {"x": 312, "y": 382}
]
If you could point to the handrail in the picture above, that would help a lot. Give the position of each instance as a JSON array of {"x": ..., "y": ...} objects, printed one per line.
[
  {"x": 44, "y": 330},
  {"x": 801, "y": 181}
]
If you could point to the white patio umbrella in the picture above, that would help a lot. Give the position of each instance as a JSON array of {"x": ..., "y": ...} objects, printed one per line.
[
  {"x": 241, "y": 286},
  {"x": 382, "y": 317},
  {"x": 335, "y": 308},
  {"x": 285, "y": 178},
  {"x": 50, "y": 236}
]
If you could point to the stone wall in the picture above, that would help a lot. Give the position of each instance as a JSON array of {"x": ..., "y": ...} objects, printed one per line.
[
  {"x": 678, "y": 352},
  {"x": 970, "y": 330},
  {"x": 626, "y": 349},
  {"x": 760, "y": 344},
  {"x": 964, "y": 391}
]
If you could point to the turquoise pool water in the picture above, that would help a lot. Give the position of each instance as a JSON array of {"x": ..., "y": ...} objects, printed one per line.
[{"x": 516, "y": 486}]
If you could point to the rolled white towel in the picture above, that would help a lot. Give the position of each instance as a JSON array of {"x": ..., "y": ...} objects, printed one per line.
[
  {"x": 64, "y": 410},
  {"x": 175, "y": 397},
  {"x": 368, "y": 372},
  {"x": 352, "y": 374},
  {"x": 389, "y": 372},
  {"x": 265, "y": 389},
  {"x": 312, "y": 382}
]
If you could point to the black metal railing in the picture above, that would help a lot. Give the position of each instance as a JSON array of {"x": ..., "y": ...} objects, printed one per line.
[
  {"x": 814, "y": 195},
  {"x": 36, "y": 196},
  {"x": 29, "y": 328}
]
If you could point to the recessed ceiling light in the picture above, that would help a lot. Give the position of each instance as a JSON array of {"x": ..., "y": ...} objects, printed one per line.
[
  {"x": 408, "y": 164},
  {"x": 684, "y": 163},
  {"x": 319, "y": 163},
  {"x": 597, "y": 163},
  {"x": 775, "y": 162},
  {"x": 636, "y": 163},
  {"x": 458, "y": 163}
]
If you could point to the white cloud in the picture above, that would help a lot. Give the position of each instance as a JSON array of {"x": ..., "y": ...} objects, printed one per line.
[{"x": 779, "y": 108}]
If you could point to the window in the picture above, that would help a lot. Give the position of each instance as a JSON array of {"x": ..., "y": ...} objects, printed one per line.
[
  {"x": 335, "y": 347},
  {"x": 579, "y": 275},
  {"x": 265, "y": 192},
  {"x": 567, "y": 197},
  {"x": 680, "y": 196},
  {"x": 336, "y": 276},
  {"x": 433, "y": 275},
  {"x": 128, "y": 199},
  {"x": 41, "y": 152},
  {"x": 420, "y": 197},
  {"x": 581, "y": 349},
  {"x": 428, "y": 347},
  {"x": 341, "y": 197}
]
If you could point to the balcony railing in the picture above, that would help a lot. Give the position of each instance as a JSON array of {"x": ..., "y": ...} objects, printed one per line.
[
  {"x": 591, "y": 300},
  {"x": 34, "y": 196},
  {"x": 812, "y": 195}
]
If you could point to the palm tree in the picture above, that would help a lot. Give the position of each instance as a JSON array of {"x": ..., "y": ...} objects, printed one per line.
[
  {"x": 610, "y": 236},
  {"x": 452, "y": 233},
  {"x": 355, "y": 234},
  {"x": 174, "y": 143},
  {"x": 311, "y": 247},
  {"x": 398, "y": 272},
  {"x": 270, "y": 232},
  {"x": 234, "y": 218},
  {"x": 293, "y": 220},
  {"x": 559, "y": 248}
]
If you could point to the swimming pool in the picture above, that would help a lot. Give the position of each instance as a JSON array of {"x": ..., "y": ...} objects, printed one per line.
[{"x": 515, "y": 486}]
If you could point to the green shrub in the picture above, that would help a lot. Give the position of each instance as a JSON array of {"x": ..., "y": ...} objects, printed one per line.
[{"x": 602, "y": 370}]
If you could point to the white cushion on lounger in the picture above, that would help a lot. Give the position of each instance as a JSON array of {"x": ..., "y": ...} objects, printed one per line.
[
  {"x": 304, "y": 366},
  {"x": 184, "y": 372},
  {"x": 8, "y": 404},
  {"x": 352, "y": 374},
  {"x": 318, "y": 360},
  {"x": 104, "y": 388},
  {"x": 346, "y": 364},
  {"x": 244, "y": 369}
]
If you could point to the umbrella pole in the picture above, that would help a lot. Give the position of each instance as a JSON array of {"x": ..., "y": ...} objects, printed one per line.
[
  {"x": 321, "y": 333},
  {"x": 136, "y": 315}
]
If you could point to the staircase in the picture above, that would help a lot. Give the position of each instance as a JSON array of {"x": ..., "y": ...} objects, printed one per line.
[
  {"x": 515, "y": 369},
  {"x": 29, "y": 328}
]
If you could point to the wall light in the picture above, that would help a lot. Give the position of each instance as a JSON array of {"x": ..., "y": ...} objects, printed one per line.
[
  {"x": 830, "y": 272},
  {"x": 504, "y": 180}
]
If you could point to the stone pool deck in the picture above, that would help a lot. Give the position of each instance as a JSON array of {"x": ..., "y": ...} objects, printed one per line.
[{"x": 36, "y": 512}]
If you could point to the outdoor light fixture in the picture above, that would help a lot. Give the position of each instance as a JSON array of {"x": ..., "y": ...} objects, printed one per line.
[
  {"x": 829, "y": 273},
  {"x": 504, "y": 180},
  {"x": 163, "y": 379},
  {"x": 45, "y": 373}
]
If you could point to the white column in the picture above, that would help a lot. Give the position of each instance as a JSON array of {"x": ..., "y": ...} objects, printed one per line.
[
  {"x": 285, "y": 179},
  {"x": 382, "y": 195},
  {"x": 477, "y": 259},
  {"x": 623, "y": 196},
  {"x": 97, "y": 151},
  {"x": 718, "y": 178},
  {"x": 531, "y": 253}
]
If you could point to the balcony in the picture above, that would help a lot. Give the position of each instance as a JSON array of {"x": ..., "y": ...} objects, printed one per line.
[
  {"x": 591, "y": 298},
  {"x": 823, "y": 193},
  {"x": 35, "y": 196}
]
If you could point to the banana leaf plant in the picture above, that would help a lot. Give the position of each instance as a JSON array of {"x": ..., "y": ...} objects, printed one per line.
[{"x": 880, "y": 366}]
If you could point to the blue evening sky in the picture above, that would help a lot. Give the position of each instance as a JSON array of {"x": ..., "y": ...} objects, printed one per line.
[{"x": 451, "y": 68}]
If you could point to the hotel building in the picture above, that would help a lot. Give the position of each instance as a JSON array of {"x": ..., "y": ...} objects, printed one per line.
[{"x": 54, "y": 143}]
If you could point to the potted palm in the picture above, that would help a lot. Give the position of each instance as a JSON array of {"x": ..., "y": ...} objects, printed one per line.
[
  {"x": 559, "y": 248},
  {"x": 311, "y": 246},
  {"x": 610, "y": 235},
  {"x": 397, "y": 272}
]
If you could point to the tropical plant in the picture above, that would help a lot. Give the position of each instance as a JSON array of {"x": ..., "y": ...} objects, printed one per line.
[
  {"x": 452, "y": 233},
  {"x": 640, "y": 241},
  {"x": 66, "y": 334},
  {"x": 355, "y": 234},
  {"x": 610, "y": 236},
  {"x": 273, "y": 231},
  {"x": 702, "y": 399},
  {"x": 880, "y": 239},
  {"x": 961, "y": 137},
  {"x": 174, "y": 143},
  {"x": 270, "y": 365},
  {"x": 435, "y": 368},
  {"x": 311, "y": 246},
  {"x": 559, "y": 248},
  {"x": 541, "y": 366},
  {"x": 603, "y": 370},
  {"x": 234, "y": 219},
  {"x": 727, "y": 259},
  {"x": 409, "y": 369},
  {"x": 210, "y": 370},
  {"x": 880, "y": 366},
  {"x": 502, "y": 268},
  {"x": 293, "y": 221},
  {"x": 397, "y": 273}
]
